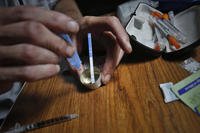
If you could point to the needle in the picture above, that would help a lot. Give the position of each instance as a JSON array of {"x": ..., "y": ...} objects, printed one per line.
[{"x": 41, "y": 124}]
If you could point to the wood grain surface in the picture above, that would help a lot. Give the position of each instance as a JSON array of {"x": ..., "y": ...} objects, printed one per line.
[{"x": 131, "y": 102}]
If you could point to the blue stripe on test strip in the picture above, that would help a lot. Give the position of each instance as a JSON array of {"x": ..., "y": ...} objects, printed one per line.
[
  {"x": 188, "y": 87},
  {"x": 75, "y": 59},
  {"x": 90, "y": 44}
]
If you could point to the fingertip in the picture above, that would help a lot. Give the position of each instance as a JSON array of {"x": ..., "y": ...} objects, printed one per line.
[
  {"x": 72, "y": 26},
  {"x": 70, "y": 51},
  {"x": 48, "y": 71},
  {"x": 126, "y": 45},
  {"x": 38, "y": 72},
  {"x": 77, "y": 72},
  {"x": 106, "y": 78},
  {"x": 57, "y": 68},
  {"x": 80, "y": 70},
  {"x": 129, "y": 48}
]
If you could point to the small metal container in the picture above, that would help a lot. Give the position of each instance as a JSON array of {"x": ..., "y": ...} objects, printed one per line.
[{"x": 86, "y": 80}]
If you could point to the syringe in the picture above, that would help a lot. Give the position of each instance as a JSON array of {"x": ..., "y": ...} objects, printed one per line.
[
  {"x": 170, "y": 27},
  {"x": 172, "y": 40},
  {"x": 41, "y": 124},
  {"x": 159, "y": 44}
]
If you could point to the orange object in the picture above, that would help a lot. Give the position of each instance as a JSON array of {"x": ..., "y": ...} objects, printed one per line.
[
  {"x": 159, "y": 15},
  {"x": 165, "y": 16},
  {"x": 172, "y": 40},
  {"x": 157, "y": 47},
  {"x": 156, "y": 14}
]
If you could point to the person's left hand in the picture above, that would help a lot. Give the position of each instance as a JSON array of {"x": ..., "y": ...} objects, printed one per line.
[{"x": 108, "y": 34}]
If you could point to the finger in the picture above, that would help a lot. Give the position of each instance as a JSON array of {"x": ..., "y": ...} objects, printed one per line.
[
  {"x": 113, "y": 57},
  {"x": 115, "y": 48},
  {"x": 55, "y": 21},
  {"x": 110, "y": 24},
  {"x": 37, "y": 34},
  {"x": 77, "y": 72},
  {"x": 28, "y": 73},
  {"x": 28, "y": 54}
]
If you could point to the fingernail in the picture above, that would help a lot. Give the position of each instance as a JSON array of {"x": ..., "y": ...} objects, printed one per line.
[
  {"x": 81, "y": 69},
  {"x": 70, "y": 51},
  {"x": 73, "y": 25},
  {"x": 106, "y": 79},
  {"x": 57, "y": 67},
  {"x": 129, "y": 47}
]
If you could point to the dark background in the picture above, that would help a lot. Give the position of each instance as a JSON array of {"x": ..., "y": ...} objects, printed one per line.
[{"x": 98, "y": 7}]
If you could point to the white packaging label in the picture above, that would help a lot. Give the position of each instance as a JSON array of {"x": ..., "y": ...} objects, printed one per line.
[{"x": 169, "y": 95}]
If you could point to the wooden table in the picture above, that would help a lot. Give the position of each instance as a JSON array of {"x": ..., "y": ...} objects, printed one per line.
[{"x": 131, "y": 102}]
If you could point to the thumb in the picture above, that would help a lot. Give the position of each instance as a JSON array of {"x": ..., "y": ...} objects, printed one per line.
[{"x": 111, "y": 62}]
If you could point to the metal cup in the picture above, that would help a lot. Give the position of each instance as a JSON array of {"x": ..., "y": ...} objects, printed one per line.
[{"x": 86, "y": 80}]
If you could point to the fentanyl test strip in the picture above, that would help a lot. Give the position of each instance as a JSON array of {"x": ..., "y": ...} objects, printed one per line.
[
  {"x": 91, "y": 58},
  {"x": 75, "y": 59},
  {"x": 188, "y": 90}
]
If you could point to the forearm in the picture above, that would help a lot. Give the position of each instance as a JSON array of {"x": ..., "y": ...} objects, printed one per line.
[{"x": 70, "y": 8}]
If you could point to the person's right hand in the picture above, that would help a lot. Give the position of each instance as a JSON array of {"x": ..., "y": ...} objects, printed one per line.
[{"x": 29, "y": 46}]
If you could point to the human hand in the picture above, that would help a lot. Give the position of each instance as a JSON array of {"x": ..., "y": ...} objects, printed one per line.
[
  {"x": 29, "y": 46},
  {"x": 110, "y": 35}
]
